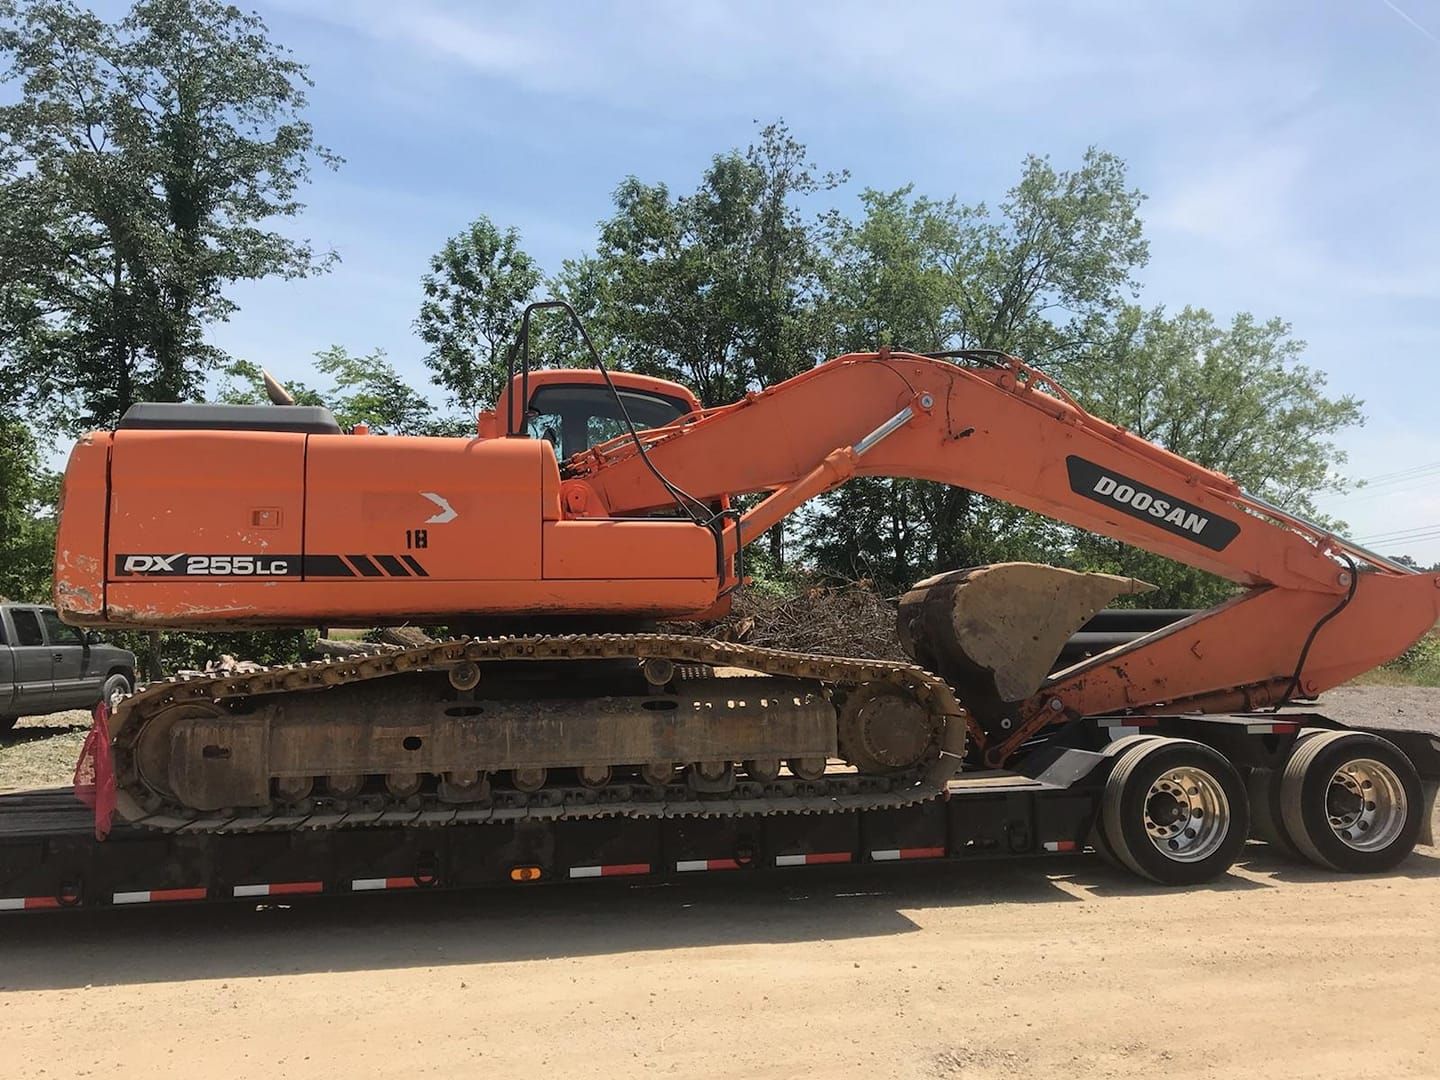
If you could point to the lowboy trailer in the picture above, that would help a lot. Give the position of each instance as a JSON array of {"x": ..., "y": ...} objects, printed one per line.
[{"x": 1127, "y": 787}]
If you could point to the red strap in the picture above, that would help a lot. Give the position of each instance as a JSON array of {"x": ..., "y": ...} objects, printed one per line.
[{"x": 95, "y": 772}]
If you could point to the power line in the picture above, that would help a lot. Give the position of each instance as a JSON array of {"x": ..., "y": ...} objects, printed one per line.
[{"x": 1379, "y": 478}]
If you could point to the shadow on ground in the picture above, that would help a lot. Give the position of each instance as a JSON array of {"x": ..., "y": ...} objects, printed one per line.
[{"x": 109, "y": 947}]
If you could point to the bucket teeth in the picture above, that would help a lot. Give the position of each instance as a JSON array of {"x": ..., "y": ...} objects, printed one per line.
[{"x": 993, "y": 632}]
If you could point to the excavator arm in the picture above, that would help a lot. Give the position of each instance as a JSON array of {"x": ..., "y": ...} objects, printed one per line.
[{"x": 1313, "y": 610}]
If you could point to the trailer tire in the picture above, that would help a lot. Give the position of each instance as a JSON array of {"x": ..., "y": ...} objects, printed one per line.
[
  {"x": 1097, "y": 838},
  {"x": 1175, "y": 811},
  {"x": 1266, "y": 818},
  {"x": 1351, "y": 801}
]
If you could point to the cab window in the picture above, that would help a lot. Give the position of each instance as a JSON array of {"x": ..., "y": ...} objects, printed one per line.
[
  {"x": 58, "y": 632},
  {"x": 575, "y": 418},
  {"x": 27, "y": 627}
]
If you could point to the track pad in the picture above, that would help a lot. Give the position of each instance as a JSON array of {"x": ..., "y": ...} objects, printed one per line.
[{"x": 993, "y": 632}]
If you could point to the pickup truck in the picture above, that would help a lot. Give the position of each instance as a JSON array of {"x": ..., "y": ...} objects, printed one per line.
[{"x": 46, "y": 666}]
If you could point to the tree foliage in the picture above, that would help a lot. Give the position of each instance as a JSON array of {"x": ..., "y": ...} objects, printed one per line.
[
  {"x": 363, "y": 390},
  {"x": 477, "y": 287},
  {"x": 28, "y": 492},
  {"x": 928, "y": 275},
  {"x": 718, "y": 288},
  {"x": 139, "y": 173},
  {"x": 1234, "y": 398}
]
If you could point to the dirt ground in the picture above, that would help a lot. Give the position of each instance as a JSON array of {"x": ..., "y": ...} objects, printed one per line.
[{"x": 1040, "y": 968}]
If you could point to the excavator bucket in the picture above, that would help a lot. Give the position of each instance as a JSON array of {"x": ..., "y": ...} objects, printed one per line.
[{"x": 993, "y": 632}]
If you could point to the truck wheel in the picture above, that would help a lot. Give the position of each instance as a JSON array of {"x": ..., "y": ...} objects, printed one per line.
[
  {"x": 1351, "y": 801},
  {"x": 1097, "y": 838},
  {"x": 1266, "y": 820},
  {"x": 115, "y": 690},
  {"x": 1175, "y": 811}
]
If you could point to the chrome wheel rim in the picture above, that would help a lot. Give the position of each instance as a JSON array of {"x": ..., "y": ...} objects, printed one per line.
[
  {"x": 116, "y": 696},
  {"x": 1187, "y": 815},
  {"x": 1365, "y": 805}
]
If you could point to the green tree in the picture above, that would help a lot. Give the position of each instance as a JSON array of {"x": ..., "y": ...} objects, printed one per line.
[
  {"x": 1031, "y": 278},
  {"x": 139, "y": 172},
  {"x": 363, "y": 389},
  {"x": 1234, "y": 398},
  {"x": 28, "y": 493},
  {"x": 717, "y": 289},
  {"x": 477, "y": 287}
]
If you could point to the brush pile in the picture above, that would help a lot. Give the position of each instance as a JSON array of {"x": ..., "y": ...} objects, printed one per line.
[{"x": 838, "y": 620}]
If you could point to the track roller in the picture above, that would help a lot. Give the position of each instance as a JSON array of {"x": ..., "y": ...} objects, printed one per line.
[
  {"x": 346, "y": 786},
  {"x": 807, "y": 768},
  {"x": 294, "y": 789},
  {"x": 1350, "y": 801},
  {"x": 1175, "y": 811},
  {"x": 658, "y": 773},
  {"x": 593, "y": 776},
  {"x": 762, "y": 770}
]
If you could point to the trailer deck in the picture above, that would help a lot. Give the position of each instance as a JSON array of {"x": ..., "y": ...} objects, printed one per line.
[{"x": 50, "y": 859}]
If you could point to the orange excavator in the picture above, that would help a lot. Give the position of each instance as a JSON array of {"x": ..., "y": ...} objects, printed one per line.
[{"x": 590, "y": 505}]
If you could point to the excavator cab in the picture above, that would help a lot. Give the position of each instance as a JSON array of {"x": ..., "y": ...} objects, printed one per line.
[{"x": 574, "y": 409}]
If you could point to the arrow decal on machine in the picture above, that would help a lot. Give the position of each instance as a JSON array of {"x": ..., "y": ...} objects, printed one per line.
[{"x": 447, "y": 512}]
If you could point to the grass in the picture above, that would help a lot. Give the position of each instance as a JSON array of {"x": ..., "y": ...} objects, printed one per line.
[{"x": 1418, "y": 665}]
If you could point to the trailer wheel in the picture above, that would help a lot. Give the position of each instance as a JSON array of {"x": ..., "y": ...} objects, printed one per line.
[
  {"x": 1351, "y": 801},
  {"x": 1097, "y": 838},
  {"x": 1266, "y": 818},
  {"x": 1175, "y": 811}
]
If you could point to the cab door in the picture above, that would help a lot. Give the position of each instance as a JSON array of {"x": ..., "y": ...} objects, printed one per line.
[
  {"x": 72, "y": 687},
  {"x": 34, "y": 685}
]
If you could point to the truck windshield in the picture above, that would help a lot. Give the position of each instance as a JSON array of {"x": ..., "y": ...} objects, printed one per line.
[{"x": 576, "y": 417}]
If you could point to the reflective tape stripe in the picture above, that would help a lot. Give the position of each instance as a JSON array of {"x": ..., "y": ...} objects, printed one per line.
[
  {"x": 284, "y": 888},
  {"x": 371, "y": 884},
  {"x": 610, "y": 870},
  {"x": 1061, "y": 845},
  {"x": 891, "y": 854},
  {"x": 813, "y": 859},
  {"x": 1272, "y": 728},
  {"x": 157, "y": 896},
  {"x": 27, "y": 903},
  {"x": 706, "y": 864}
]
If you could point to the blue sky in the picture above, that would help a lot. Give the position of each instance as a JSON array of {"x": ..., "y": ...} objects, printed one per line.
[{"x": 1289, "y": 152}]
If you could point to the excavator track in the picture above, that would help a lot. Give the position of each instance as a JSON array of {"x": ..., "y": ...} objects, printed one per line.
[{"x": 225, "y": 700}]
